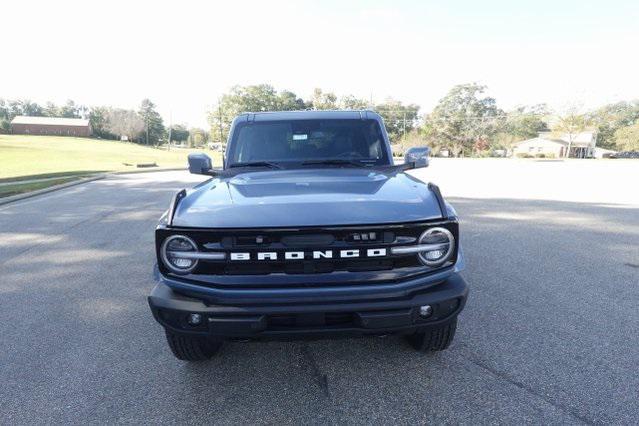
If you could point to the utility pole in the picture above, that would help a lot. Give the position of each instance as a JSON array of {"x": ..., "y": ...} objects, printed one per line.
[
  {"x": 170, "y": 126},
  {"x": 219, "y": 113},
  {"x": 404, "y": 129}
]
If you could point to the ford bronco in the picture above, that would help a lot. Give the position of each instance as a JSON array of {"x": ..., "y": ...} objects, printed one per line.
[{"x": 308, "y": 230}]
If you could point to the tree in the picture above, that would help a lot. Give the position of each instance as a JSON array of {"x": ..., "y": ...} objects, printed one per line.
[
  {"x": 179, "y": 133},
  {"x": 262, "y": 97},
  {"x": 399, "y": 119},
  {"x": 627, "y": 138},
  {"x": 351, "y": 102},
  {"x": 612, "y": 117},
  {"x": 26, "y": 107},
  {"x": 525, "y": 122},
  {"x": 99, "y": 120},
  {"x": 14, "y": 108},
  {"x": 51, "y": 110},
  {"x": 323, "y": 100},
  {"x": 198, "y": 137},
  {"x": 288, "y": 101},
  {"x": 569, "y": 125},
  {"x": 153, "y": 123},
  {"x": 4, "y": 109},
  {"x": 70, "y": 110},
  {"x": 5, "y": 125},
  {"x": 463, "y": 117},
  {"x": 124, "y": 122}
]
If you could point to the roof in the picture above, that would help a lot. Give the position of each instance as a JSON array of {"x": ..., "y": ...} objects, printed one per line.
[
  {"x": 50, "y": 121},
  {"x": 580, "y": 139},
  {"x": 559, "y": 141},
  {"x": 584, "y": 137},
  {"x": 310, "y": 115}
]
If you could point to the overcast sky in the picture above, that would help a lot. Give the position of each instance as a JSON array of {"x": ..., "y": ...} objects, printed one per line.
[{"x": 184, "y": 54}]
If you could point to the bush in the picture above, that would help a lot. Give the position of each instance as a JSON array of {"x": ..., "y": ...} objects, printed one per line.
[
  {"x": 523, "y": 155},
  {"x": 541, "y": 155},
  {"x": 5, "y": 126}
]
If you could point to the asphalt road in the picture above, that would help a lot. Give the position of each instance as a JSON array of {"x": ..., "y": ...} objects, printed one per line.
[{"x": 550, "y": 333}]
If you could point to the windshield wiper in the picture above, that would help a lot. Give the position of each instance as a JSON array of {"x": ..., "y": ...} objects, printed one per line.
[
  {"x": 257, "y": 164},
  {"x": 336, "y": 162}
]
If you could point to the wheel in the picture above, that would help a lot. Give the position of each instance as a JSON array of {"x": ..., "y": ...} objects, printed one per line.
[
  {"x": 190, "y": 348},
  {"x": 434, "y": 339}
]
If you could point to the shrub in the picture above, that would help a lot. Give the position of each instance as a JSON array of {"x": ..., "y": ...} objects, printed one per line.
[
  {"x": 523, "y": 155},
  {"x": 5, "y": 126},
  {"x": 541, "y": 155}
]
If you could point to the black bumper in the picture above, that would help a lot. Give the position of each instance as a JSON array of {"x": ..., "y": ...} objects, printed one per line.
[{"x": 361, "y": 317}]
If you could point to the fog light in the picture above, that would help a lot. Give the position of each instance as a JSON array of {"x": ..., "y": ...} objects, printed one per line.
[
  {"x": 434, "y": 255},
  {"x": 425, "y": 311},
  {"x": 182, "y": 263},
  {"x": 195, "y": 319}
]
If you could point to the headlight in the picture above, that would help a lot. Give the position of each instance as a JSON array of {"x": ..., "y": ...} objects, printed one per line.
[
  {"x": 439, "y": 244},
  {"x": 177, "y": 254},
  {"x": 434, "y": 247}
]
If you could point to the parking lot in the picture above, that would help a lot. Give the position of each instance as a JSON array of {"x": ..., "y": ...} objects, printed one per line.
[{"x": 550, "y": 333}]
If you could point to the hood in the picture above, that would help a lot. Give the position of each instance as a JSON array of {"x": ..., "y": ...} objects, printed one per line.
[{"x": 307, "y": 197}]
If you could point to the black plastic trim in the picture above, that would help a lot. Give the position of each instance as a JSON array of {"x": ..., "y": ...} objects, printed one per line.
[
  {"x": 174, "y": 203},
  {"x": 440, "y": 200},
  {"x": 249, "y": 321}
]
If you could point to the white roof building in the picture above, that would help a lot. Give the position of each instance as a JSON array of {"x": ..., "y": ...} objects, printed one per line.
[
  {"x": 50, "y": 121},
  {"x": 23, "y": 125},
  {"x": 581, "y": 145}
]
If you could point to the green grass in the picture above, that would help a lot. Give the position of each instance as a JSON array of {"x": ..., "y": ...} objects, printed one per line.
[
  {"x": 33, "y": 157},
  {"x": 19, "y": 188}
]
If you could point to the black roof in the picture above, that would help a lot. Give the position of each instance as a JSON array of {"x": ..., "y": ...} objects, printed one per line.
[{"x": 310, "y": 115}]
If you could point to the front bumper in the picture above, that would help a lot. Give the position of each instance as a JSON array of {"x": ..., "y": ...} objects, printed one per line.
[{"x": 366, "y": 316}]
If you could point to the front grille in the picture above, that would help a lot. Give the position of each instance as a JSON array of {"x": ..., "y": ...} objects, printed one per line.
[
  {"x": 307, "y": 241},
  {"x": 305, "y": 267}
]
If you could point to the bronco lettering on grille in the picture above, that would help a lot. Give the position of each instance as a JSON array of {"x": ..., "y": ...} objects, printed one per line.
[{"x": 316, "y": 254}]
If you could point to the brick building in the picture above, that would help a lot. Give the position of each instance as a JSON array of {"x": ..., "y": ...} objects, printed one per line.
[{"x": 23, "y": 125}]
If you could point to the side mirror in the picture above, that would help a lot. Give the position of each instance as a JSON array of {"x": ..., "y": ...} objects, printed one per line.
[
  {"x": 418, "y": 155},
  {"x": 200, "y": 164}
]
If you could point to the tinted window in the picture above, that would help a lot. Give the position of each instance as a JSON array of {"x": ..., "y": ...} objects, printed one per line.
[{"x": 304, "y": 140}]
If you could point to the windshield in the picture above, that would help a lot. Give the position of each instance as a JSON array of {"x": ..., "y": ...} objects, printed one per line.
[{"x": 308, "y": 141}]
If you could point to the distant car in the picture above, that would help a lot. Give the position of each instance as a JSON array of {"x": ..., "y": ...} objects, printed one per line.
[
  {"x": 216, "y": 146},
  {"x": 308, "y": 231},
  {"x": 625, "y": 154}
]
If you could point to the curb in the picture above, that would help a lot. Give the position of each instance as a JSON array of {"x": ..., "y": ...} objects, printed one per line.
[
  {"x": 149, "y": 170},
  {"x": 18, "y": 197}
]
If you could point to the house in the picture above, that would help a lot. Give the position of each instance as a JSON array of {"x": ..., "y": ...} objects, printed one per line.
[
  {"x": 582, "y": 145},
  {"x": 23, "y": 125}
]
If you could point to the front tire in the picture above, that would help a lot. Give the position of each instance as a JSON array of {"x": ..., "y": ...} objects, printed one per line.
[
  {"x": 191, "y": 348},
  {"x": 434, "y": 339}
]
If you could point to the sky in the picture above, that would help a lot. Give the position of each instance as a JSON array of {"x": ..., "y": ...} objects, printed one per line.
[{"x": 184, "y": 54}]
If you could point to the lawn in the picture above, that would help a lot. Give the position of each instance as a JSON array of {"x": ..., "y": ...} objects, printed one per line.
[
  {"x": 7, "y": 190},
  {"x": 33, "y": 157}
]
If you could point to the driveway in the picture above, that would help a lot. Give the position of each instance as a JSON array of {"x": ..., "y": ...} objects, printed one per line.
[{"x": 550, "y": 333}]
